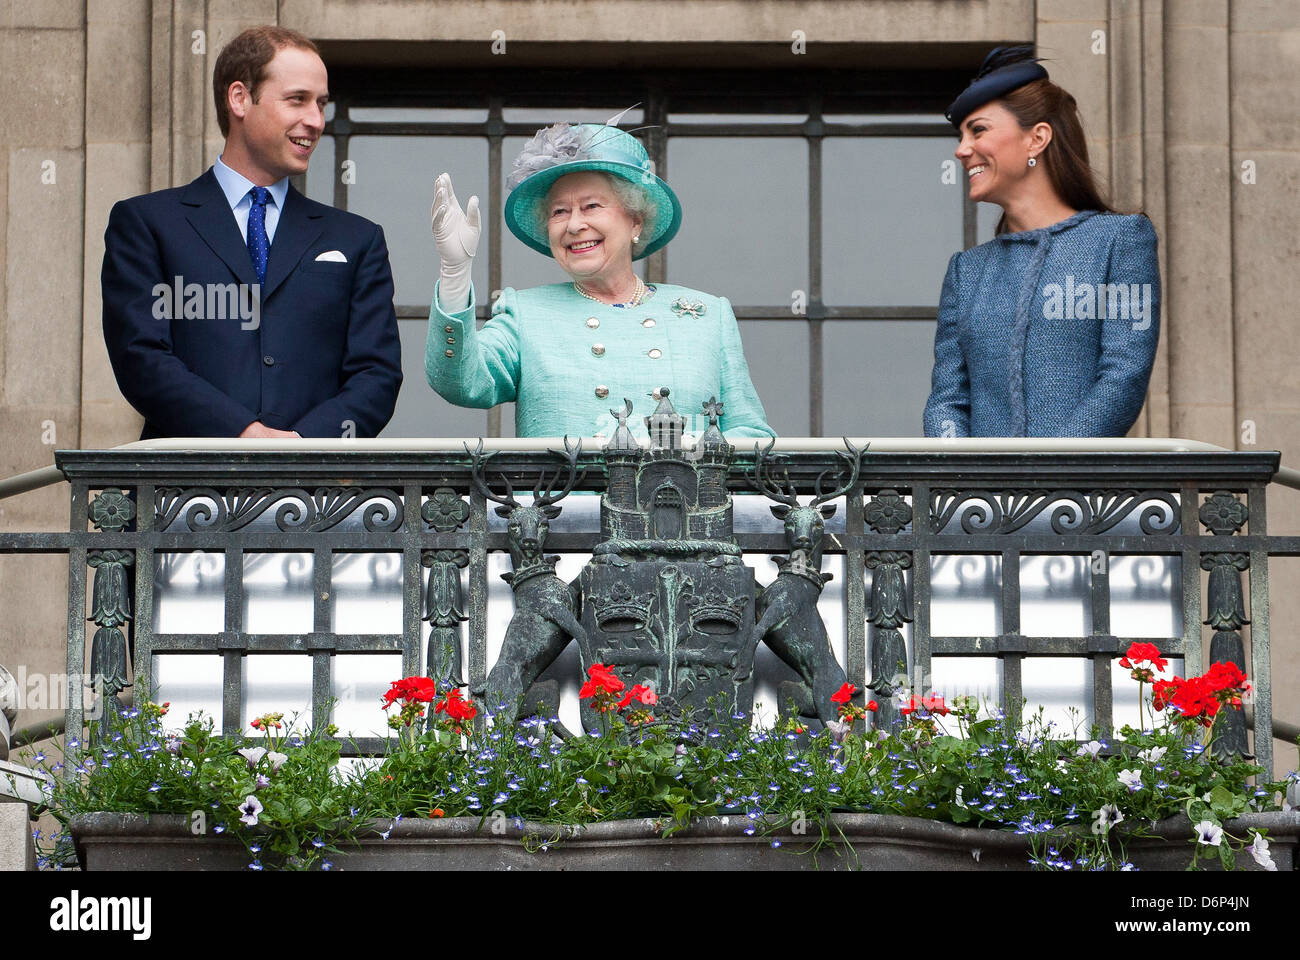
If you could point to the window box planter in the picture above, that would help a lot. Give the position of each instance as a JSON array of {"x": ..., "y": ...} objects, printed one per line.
[{"x": 118, "y": 841}]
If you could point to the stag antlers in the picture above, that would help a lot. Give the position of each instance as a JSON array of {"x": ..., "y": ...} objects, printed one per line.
[
  {"x": 544, "y": 495},
  {"x": 776, "y": 485}
]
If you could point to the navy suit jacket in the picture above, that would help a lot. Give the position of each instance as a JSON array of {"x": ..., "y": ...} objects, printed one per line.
[{"x": 323, "y": 358}]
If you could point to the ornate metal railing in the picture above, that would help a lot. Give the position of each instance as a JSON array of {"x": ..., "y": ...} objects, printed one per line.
[{"x": 924, "y": 526}]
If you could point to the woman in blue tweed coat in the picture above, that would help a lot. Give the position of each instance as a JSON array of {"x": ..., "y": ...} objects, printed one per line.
[
  {"x": 1049, "y": 329},
  {"x": 568, "y": 353}
]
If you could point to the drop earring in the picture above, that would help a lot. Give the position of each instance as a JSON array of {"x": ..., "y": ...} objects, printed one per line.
[{"x": 1033, "y": 161}]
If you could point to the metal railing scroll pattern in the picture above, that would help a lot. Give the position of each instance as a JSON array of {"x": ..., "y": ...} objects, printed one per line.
[{"x": 906, "y": 509}]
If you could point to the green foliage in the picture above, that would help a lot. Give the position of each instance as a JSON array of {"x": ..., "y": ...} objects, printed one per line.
[
  {"x": 138, "y": 768},
  {"x": 979, "y": 772}
]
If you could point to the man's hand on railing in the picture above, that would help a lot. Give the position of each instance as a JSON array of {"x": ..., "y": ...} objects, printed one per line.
[{"x": 260, "y": 431}]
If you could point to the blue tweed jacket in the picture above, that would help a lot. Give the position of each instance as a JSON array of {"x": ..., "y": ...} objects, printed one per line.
[
  {"x": 1048, "y": 333},
  {"x": 567, "y": 361}
]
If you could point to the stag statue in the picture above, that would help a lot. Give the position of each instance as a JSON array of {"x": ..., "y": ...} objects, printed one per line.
[
  {"x": 786, "y": 610},
  {"x": 545, "y": 606}
]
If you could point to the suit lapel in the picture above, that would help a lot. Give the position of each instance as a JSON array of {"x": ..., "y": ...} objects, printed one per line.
[
  {"x": 296, "y": 231},
  {"x": 214, "y": 222}
]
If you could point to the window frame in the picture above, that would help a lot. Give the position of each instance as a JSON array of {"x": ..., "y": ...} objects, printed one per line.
[{"x": 819, "y": 95}]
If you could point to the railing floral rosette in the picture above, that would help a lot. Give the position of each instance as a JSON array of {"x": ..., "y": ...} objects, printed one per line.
[{"x": 902, "y": 510}]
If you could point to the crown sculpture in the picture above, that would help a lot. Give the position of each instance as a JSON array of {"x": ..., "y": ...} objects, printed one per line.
[{"x": 666, "y": 600}]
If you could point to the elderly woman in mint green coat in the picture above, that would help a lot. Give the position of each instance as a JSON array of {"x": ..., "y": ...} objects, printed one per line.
[{"x": 567, "y": 353}]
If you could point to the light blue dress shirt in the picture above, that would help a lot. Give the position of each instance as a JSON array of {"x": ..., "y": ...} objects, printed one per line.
[{"x": 236, "y": 186}]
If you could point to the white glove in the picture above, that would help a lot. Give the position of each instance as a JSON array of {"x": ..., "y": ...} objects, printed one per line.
[{"x": 456, "y": 233}]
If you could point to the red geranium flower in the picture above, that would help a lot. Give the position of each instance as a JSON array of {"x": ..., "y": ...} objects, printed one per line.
[
  {"x": 603, "y": 680},
  {"x": 844, "y": 693},
  {"x": 935, "y": 704},
  {"x": 641, "y": 695},
  {"x": 1225, "y": 676},
  {"x": 930, "y": 704},
  {"x": 1140, "y": 654},
  {"x": 1163, "y": 692},
  {"x": 456, "y": 708},
  {"x": 410, "y": 689}
]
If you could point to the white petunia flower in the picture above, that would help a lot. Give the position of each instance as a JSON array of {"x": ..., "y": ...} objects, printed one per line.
[
  {"x": 252, "y": 755},
  {"x": 1259, "y": 850},
  {"x": 1131, "y": 779},
  {"x": 277, "y": 760},
  {"x": 1089, "y": 749},
  {"x": 1108, "y": 816},
  {"x": 1209, "y": 833},
  {"x": 249, "y": 810},
  {"x": 1153, "y": 754}
]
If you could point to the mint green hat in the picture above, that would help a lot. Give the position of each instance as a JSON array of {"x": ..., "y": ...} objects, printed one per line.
[{"x": 561, "y": 149}]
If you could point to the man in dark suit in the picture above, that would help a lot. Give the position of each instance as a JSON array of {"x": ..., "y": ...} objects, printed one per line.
[{"x": 235, "y": 306}]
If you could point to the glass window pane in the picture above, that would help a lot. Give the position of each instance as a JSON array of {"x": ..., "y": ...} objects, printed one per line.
[
  {"x": 1146, "y": 596},
  {"x": 744, "y": 217},
  {"x": 279, "y": 682},
  {"x": 189, "y": 592},
  {"x": 507, "y": 419},
  {"x": 987, "y": 216},
  {"x": 777, "y": 354},
  {"x": 394, "y": 188},
  {"x": 321, "y": 172},
  {"x": 1063, "y": 687},
  {"x": 729, "y": 118},
  {"x": 1124, "y": 693},
  {"x": 965, "y": 595},
  {"x": 418, "y": 115},
  {"x": 978, "y": 677},
  {"x": 278, "y": 593},
  {"x": 545, "y": 116},
  {"x": 420, "y": 411},
  {"x": 358, "y": 681},
  {"x": 875, "y": 376},
  {"x": 1054, "y": 596},
  {"x": 889, "y": 222},
  {"x": 366, "y": 593},
  {"x": 941, "y": 125},
  {"x": 191, "y": 683}
]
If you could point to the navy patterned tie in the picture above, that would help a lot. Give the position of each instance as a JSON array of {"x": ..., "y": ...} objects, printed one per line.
[{"x": 258, "y": 244}]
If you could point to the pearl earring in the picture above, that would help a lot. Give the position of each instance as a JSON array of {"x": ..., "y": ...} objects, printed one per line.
[
  {"x": 637, "y": 238},
  {"x": 1033, "y": 161}
]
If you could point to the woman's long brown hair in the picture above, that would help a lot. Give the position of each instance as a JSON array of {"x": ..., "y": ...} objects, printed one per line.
[{"x": 1066, "y": 156}]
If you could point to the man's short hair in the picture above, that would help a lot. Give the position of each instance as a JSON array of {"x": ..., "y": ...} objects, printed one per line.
[{"x": 244, "y": 60}]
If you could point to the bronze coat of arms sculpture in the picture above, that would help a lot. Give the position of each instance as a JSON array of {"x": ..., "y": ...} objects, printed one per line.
[{"x": 667, "y": 600}]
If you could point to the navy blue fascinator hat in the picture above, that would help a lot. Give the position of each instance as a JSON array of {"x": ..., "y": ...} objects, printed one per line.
[{"x": 1003, "y": 70}]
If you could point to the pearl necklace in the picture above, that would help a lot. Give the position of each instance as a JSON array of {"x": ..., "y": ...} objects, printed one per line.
[{"x": 638, "y": 294}]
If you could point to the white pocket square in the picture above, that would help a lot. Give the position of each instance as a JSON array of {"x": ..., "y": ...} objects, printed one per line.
[{"x": 332, "y": 256}]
